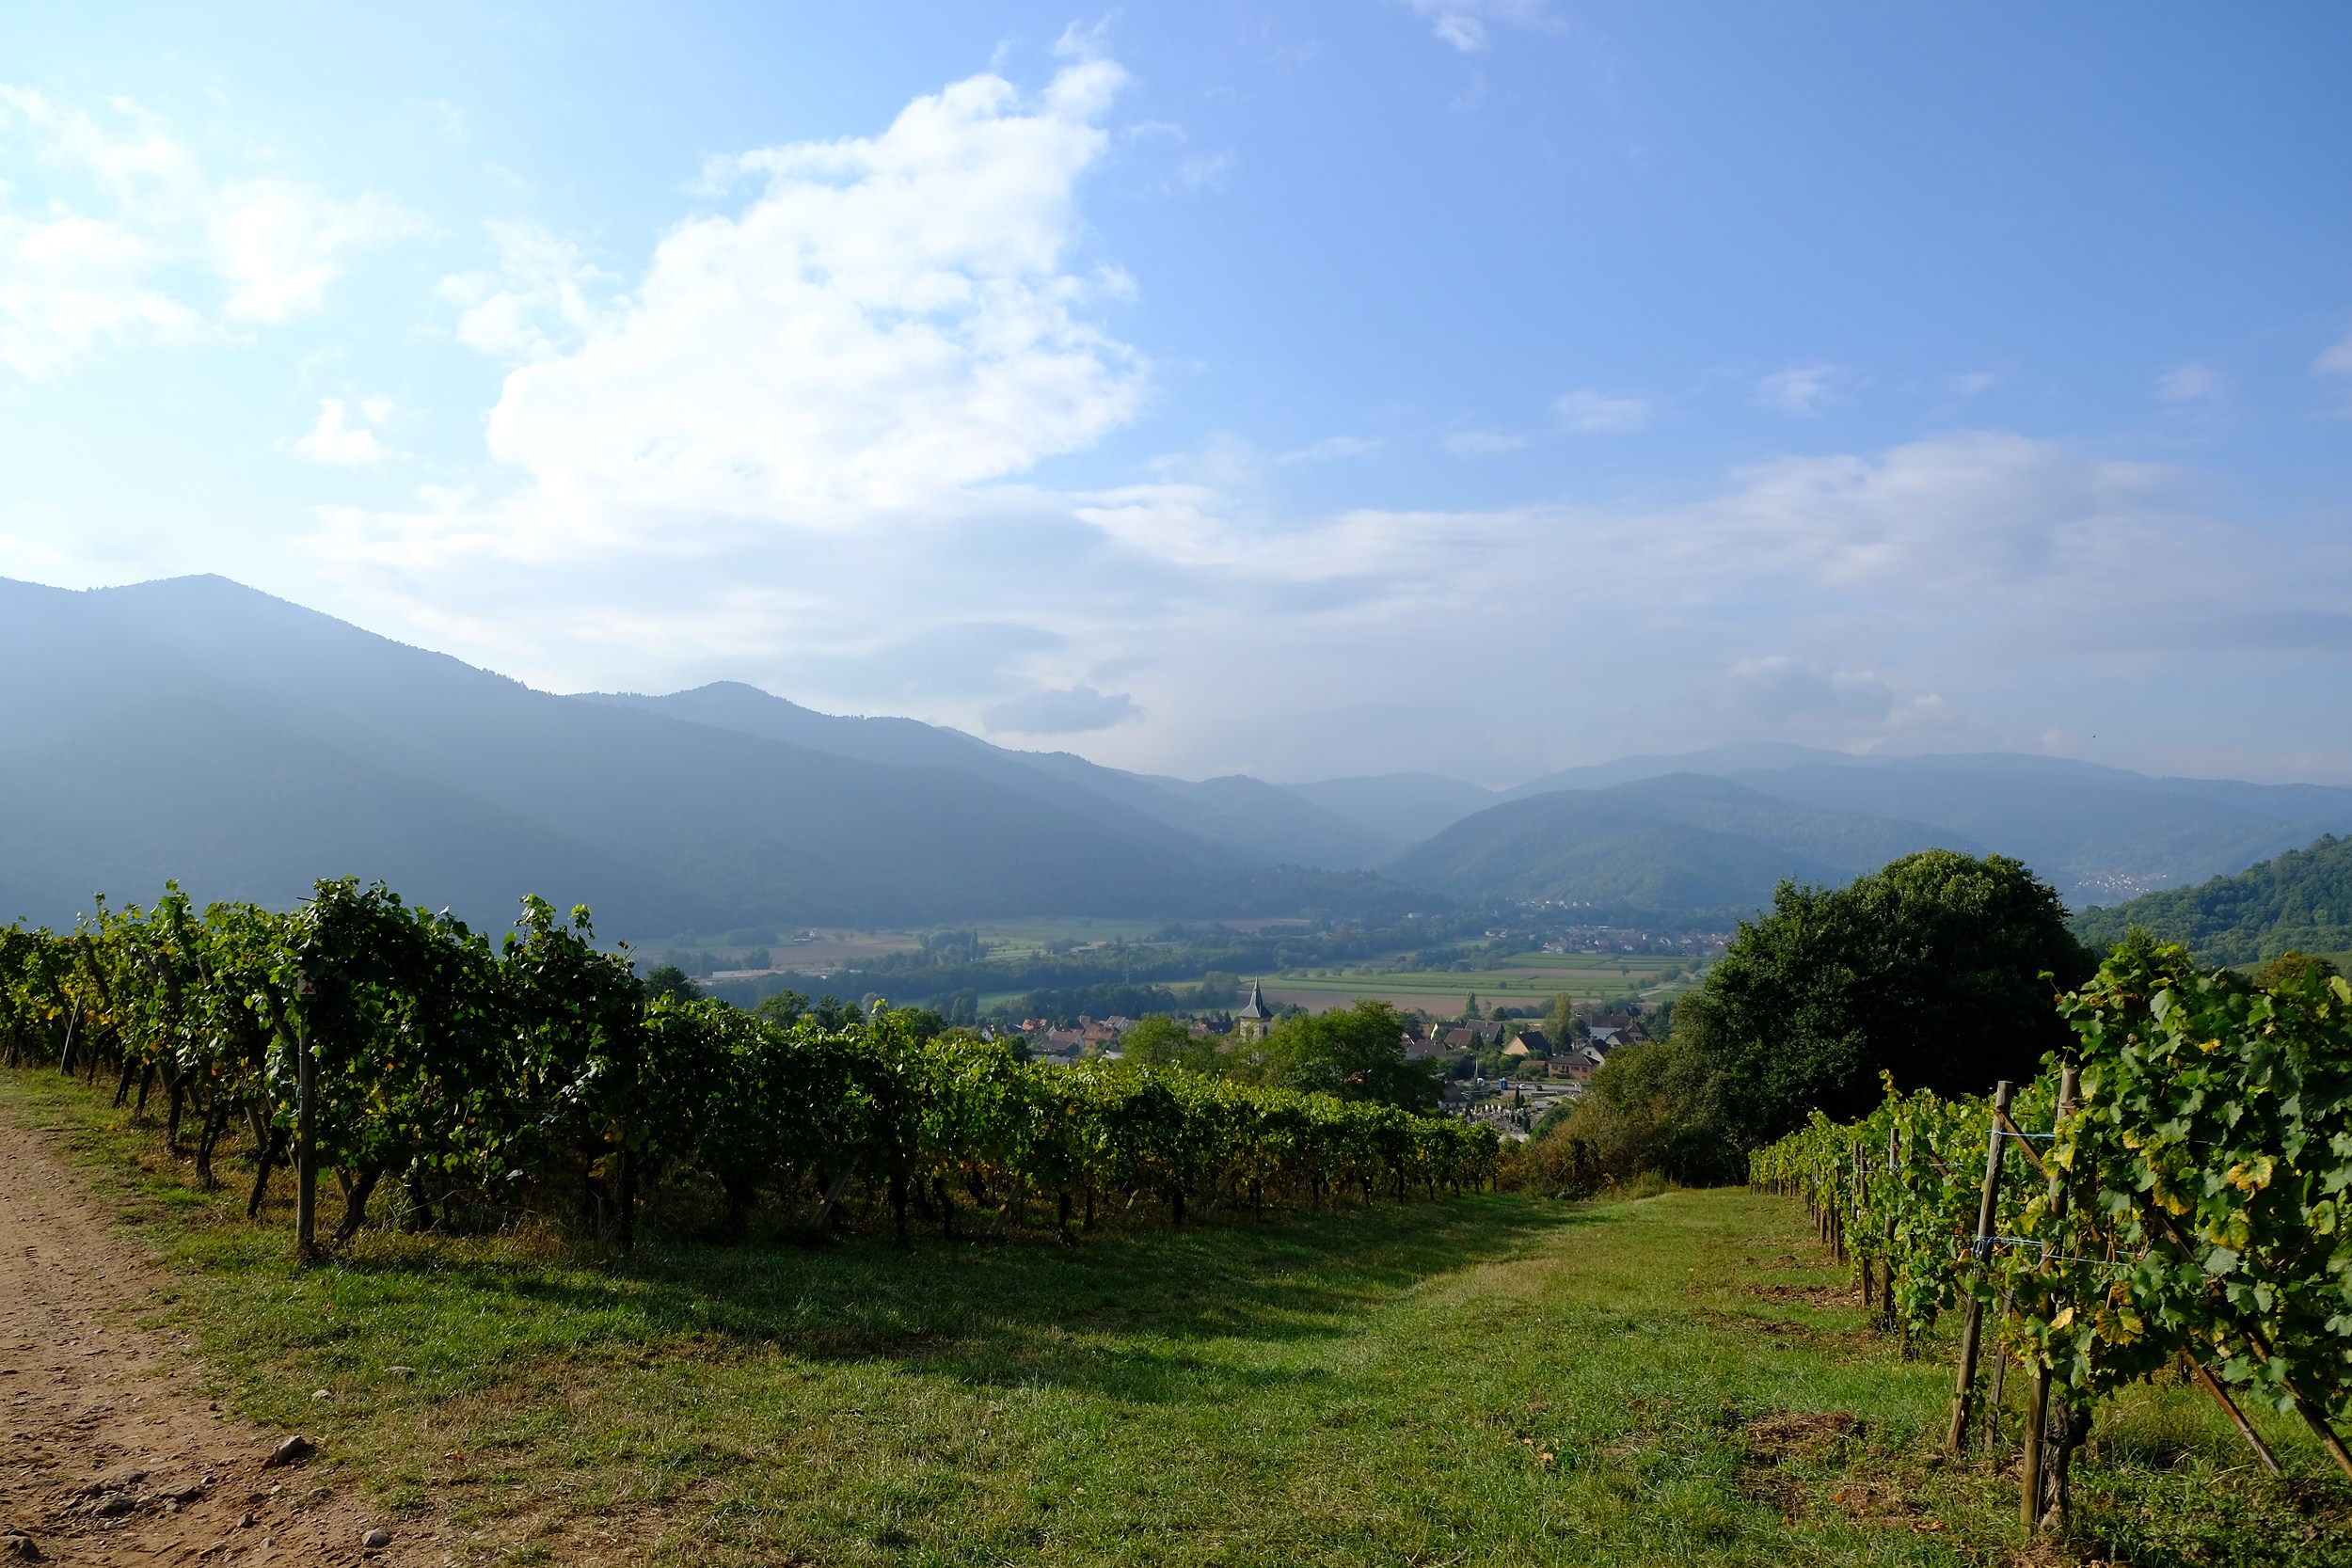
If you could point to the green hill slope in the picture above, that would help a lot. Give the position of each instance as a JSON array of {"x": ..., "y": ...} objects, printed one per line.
[
  {"x": 2301, "y": 901},
  {"x": 1681, "y": 844}
]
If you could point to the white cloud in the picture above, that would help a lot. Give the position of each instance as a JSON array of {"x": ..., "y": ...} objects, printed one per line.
[
  {"x": 1206, "y": 171},
  {"x": 1911, "y": 596},
  {"x": 885, "y": 321},
  {"x": 1800, "y": 389},
  {"x": 277, "y": 244},
  {"x": 2336, "y": 360},
  {"x": 2188, "y": 382},
  {"x": 1591, "y": 413},
  {"x": 126, "y": 236},
  {"x": 1463, "y": 22},
  {"x": 336, "y": 441},
  {"x": 1072, "y": 711},
  {"x": 1778, "y": 688},
  {"x": 536, "y": 306},
  {"x": 1483, "y": 443}
]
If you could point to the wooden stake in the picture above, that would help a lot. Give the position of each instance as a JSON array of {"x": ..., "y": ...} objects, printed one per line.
[
  {"x": 2318, "y": 1421},
  {"x": 1894, "y": 1167},
  {"x": 2000, "y": 1382},
  {"x": 2237, "y": 1417},
  {"x": 306, "y": 1124},
  {"x": 2038, "y": 1414},
  {"x": 2313, "y": 1416},
  {"x": 1972, "y": 1327}
]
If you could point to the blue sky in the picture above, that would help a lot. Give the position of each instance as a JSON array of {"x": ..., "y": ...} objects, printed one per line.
[{"x": 1307, "y": 390}]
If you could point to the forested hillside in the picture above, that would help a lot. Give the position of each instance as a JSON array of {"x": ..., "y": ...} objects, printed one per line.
[
  {"x": 2299, "y": 902},
  {"x": 2096, "y": 833},
  {"x": 1656, "y": 847}
]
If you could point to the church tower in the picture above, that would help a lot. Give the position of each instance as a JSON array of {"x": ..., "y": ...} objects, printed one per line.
[{"x": 1255, "y": 1017}]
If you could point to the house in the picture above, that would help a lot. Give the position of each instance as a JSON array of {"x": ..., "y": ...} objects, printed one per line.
[
  {"x": 1255, "y": 1017},
  {"x": 1578, "y": 1062},
  {"x": 1058, "y": 1046},
  {"x": 1422, "y": 1045},
  {"x": 1536, "y": 1042}
]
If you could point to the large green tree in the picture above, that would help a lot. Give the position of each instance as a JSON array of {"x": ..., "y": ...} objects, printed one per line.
[
  {"x": 1356, "y": 1053},
  {"x": 1940, "y": 968}
]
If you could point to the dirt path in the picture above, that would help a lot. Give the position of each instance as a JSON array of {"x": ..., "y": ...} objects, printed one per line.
[{"x": 109, "y": 1451}]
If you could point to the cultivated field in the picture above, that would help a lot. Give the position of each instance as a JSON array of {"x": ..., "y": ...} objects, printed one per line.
[
  {"x": 1492, "y": 1380},
  {"x": 1525, "y": 979}
]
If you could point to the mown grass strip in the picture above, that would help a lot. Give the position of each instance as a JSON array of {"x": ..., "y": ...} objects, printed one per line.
[{"x": 1495, "y": 1380}]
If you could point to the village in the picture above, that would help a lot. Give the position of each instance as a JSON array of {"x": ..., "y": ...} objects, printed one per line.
[{"x": 1502, "y": 1071}]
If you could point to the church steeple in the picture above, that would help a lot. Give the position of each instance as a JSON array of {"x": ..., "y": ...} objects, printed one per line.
[{"x": 1255, "y": 1016}]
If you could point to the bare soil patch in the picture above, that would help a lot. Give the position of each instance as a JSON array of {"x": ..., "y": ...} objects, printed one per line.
[{"x": 110, "y": 1450}]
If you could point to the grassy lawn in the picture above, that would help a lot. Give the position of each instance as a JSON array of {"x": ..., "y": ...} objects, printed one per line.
[{"x": 1495, "y": 1380}]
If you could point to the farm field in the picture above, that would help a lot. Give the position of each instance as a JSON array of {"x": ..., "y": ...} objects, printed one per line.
[
  {"x": 1492, "y": 1380},
  {"x": 1525, "y": 979}
]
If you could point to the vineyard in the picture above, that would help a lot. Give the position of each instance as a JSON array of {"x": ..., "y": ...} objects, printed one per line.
[
  {"x": 2168, "y": 1199},
  {"x": 410, "y": 1056}
]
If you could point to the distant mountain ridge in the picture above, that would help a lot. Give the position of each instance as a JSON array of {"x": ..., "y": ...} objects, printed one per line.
[
  {"x": 1236, "y": 816},
  {"x": 196, "y": 729},
  {"x": 2092, "y": 831},
  {"x": 199, "y": 729}
]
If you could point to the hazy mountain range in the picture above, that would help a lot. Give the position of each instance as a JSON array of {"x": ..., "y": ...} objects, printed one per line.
[{"x": 196, "y": 729}]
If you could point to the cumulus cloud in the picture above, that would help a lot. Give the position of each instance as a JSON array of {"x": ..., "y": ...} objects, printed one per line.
[
  {"x": 884, "y": 319},
  {"x": 798, "y": 446},
  {"x": 1800, "y": 389},
  {"x": 1074, "y": 710},
  {"x": 1591, "y": 413},
  {"x": 335, "y": 440},
  {"x": 541, "y": 302},
  {"x": 112, "y": 231}
]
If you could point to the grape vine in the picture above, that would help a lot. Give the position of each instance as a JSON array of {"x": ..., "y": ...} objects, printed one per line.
[{"x": 493, "y": 1078}]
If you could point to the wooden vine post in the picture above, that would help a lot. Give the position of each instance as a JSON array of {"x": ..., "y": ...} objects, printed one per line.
[
  {"x": 305, "y": 1123},
  {"x": 1972, "y": 1328},
  {"x": 1894, "y": 1174},
  {"x": 2037, "y": 1403},
  {"x": 1861, "y": 1183},
  {"x": 2237, "y": 1417}
]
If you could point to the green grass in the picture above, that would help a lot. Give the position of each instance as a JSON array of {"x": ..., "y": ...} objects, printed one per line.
[{"x": 1495, "y": 1380}]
